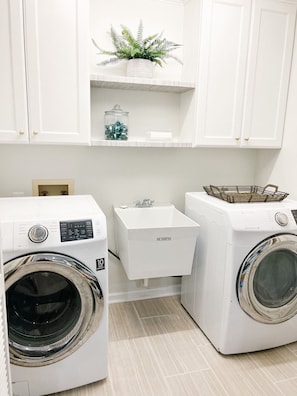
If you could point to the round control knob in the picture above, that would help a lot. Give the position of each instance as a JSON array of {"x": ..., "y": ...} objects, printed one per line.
[
  {"x": 38, "y": 233},
  {"x": 281, "y": 219}
]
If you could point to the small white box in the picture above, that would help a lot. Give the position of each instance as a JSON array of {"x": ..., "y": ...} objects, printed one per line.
[{"x": 160, "y": 135}]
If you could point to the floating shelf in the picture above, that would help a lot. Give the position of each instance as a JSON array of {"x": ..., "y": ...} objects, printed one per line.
[
  {"x": 141, "y": 143},
  {"x": 144, "y": 84}
]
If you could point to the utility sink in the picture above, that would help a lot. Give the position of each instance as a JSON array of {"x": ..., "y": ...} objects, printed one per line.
[{"x": 155, "y": 241}]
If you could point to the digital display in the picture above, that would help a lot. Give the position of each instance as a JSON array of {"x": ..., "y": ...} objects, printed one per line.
[
  {"x": 294, "y": 213},
  {"x": 76, "y": 230}
]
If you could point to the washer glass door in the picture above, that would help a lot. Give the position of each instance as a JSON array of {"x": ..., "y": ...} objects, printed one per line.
[
  {"x": 54, "y": 304},
  {"x": 267, "y": 281}
]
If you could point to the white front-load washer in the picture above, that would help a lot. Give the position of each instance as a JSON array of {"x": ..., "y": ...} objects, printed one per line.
[
  {"x": 242, "y": 291},
  {"x": 55, "y": 268}
]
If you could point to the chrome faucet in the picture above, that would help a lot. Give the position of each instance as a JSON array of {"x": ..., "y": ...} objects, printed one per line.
[{"x": 146, "y": 203}]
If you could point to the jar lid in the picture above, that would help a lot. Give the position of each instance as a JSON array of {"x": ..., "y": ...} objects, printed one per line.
[{"x": 117, "y": 110}]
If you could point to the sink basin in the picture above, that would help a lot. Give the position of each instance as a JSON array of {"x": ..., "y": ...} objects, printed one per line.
[{"x": 155, "y": 242}]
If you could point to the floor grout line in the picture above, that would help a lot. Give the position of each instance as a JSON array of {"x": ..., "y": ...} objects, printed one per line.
[{"x": 165, "y": 350}]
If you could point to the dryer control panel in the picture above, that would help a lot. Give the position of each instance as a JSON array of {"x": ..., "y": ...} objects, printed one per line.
[
  {"x": 76, "y": 230},
  {"x": 294, "y": 213},
  {"x": 281, "y": 219}
]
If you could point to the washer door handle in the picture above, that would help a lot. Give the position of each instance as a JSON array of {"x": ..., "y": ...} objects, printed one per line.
[
  {"x": 47, "y": 267},
  {"x": 259, "y": 296}
]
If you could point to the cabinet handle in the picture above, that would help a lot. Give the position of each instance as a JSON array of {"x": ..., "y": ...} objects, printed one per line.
[
  {"x": 237, "y": 138},
  {"x": 246, "y": 139},
  {"x": 35, "y": 132},
  {"x": 21, "y": 132}
]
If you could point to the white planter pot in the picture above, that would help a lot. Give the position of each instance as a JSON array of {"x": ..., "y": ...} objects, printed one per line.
[{"x": 140, "y": 68}]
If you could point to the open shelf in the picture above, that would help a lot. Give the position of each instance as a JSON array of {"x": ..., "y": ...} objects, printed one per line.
[
  {"x": 136, "y": 83},
  {"x": 141, "y": 143},
  {"x": 163, "y": 98}
]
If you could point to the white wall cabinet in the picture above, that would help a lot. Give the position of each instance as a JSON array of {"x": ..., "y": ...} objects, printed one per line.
[
  {"x": 237, "y": 53},
  {"x": 245, "y": 60},
  {"x": 44, "y": 71}
]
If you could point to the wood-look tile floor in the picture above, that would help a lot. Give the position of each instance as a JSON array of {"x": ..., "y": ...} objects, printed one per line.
[{"x": 156, "y": 349}]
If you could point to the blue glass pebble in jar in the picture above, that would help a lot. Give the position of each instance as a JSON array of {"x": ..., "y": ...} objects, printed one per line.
[{"x": 116, "y": 124}]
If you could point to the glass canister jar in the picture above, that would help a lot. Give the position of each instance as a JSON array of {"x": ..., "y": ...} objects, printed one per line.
[{"x": 116, "y": 123}]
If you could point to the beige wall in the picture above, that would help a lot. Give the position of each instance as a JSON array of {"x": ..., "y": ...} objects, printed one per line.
[{"x": 120, "y": 175}]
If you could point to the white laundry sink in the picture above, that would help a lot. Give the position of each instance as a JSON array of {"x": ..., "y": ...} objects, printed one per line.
[{"x": 155, "y": 241}]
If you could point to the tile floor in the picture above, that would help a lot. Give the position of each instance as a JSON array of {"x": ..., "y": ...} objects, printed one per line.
[{"x": 155, "y": 349}]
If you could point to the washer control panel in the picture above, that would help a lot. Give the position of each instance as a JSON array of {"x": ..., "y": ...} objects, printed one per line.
[
  {"x": 50, "y": 233},
  {"x": 76, "y": 230},
  {"x": 38, "y": 233}
]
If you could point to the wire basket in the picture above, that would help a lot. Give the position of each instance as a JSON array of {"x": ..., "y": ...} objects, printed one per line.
[{"x": 241, "y": 194}]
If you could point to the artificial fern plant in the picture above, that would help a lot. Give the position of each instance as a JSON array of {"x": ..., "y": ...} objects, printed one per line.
[{"x": 154, "y": 48}]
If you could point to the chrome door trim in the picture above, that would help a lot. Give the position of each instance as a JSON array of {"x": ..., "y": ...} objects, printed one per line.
[
  {"x": 245, "y": 290},
  {"x": 92, "y": 305}
]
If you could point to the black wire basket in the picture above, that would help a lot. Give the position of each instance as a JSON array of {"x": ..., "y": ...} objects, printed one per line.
[{"x": 245, "y": 194}]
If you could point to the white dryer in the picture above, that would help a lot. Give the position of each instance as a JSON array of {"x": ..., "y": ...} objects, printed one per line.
[
  {"x": 55, "y": 267},
  {"x": 243, "y": 288}
]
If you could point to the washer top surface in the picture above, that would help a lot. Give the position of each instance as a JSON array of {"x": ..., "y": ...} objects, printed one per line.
[
  {"x": 50, "y": 222},
  {"x": 51, "y": 207}
]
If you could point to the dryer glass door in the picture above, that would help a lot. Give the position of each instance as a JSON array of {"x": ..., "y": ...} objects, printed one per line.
[
  {"x": 54, "y": 304},
  {"x": 267, "y": 281}
]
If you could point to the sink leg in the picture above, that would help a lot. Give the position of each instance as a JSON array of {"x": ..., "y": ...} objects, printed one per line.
[{"x": 145, "y": 282}]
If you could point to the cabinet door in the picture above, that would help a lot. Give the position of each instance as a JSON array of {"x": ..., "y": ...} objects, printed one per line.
[
  {"x": 13, "y": 101},
  {"x": 223, "y": 57},
  {"x": 57, "y": 49},
  {"x": 270, "y": 54}
]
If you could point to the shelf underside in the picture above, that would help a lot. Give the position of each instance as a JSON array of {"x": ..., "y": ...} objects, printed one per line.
[
  {"x": 144, "y": 84},
  {"x": 141, "y": 143}
]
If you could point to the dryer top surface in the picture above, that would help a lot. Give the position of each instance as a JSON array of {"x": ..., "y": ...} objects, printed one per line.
[
  {"x": 260, "y": 216},
  {"x": 239, "y": 207}
]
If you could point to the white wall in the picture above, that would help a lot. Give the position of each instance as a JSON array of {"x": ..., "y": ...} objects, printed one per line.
[
  {"x": 279, "y": 166},
  {"x": 120, "y": 175}
]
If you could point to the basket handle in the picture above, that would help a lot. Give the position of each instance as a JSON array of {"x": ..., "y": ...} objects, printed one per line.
[
  {"x": 272, "y": 186},
  {"x": 212, "y": 187},
  {"x": 219, "y": 191}
]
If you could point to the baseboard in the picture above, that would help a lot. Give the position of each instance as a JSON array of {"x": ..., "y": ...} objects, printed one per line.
[{"x": 144, "y": 294}]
